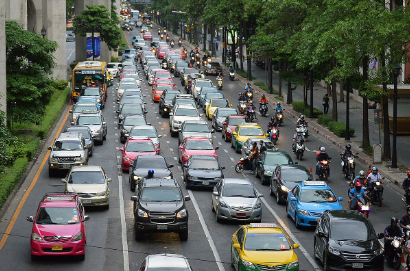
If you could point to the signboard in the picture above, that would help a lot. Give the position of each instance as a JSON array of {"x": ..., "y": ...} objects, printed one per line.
[
  {"x": 97, "y": 46},
  {"x": 214, "y": 40},
  {"x": 89, "y": 39}
]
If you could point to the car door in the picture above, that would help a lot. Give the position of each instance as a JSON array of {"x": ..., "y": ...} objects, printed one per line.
[
  {"x": 104, "y": 125},
  {"x": 238, "y": 238},
  {"x": 321, "y": 236},
  {"x": 275, "y": 179},
  {"x": 181, "y": 149},
  {"x": 292, "y": 203}
]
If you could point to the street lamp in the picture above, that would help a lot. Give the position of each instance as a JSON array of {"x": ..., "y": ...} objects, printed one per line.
[
  {"x": 396, "y": 73},
  {"x": 43, "y": 32}
]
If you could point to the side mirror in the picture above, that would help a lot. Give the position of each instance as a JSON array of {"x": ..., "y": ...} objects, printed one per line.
[
  {"x": 187, "y": 198},
  {"x": 295, "y": 246},
  {"x": 49, "y": 148},
  {"x": 159, "y": 136},
  {"x": 118, "y": 111},
  {"x": 71, "y": 111},
  {"x": 180, "y": 147},
  {"x": 86, "y": 218},
  {"x": 30, "y": 218},
  {"x": 380, "y": 235},
  {"x": 237, "y": 246},
  {"x": 109, "y": 180},
  {"x": 134, "y": 198},
  {"x": 266, "y": 134},
  {"x": 216, "y": 148},
  {"x": 121, "y": 149},
  {"x": 159, "y": 149},
  {"x": 215, "y": 193},
  {"x": 296, "y": 163},
  {"x": 171, "y": 114},
  {"x": 201, "y": 115},
  {"x": 212, "y": 130},
  {"x": 145, "y": 112},
  {"x": 63, "y": 180},
  {"x": 170, "y": 166},
  {"x": 224, "y": 123},
  {"x": 72, "y": 123},
  {"x": 222, "y": 167},
  {"x": 340, "y": 198}
]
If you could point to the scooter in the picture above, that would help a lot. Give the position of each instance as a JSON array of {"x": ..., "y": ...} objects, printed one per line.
[
  {"x": 244, "y": 163},
  {"x": 198, "y": 64},
  {"x": 304, "y": 130},
  {"x": 161, "y": 36},
  {"x": 242, "y": 108},
  {"x": 279, "y": 116},
  {"x": 273, "y": 135},
  {"x": 393, "y": 254},
  {"x": 220, "y": 83},
  {"x": 249, "y": 95},
  {"x": 172, "y": 44},
  {"x": 349, "y": 172},
  {"x": 376, "y": 193},
  {"x": 251, "y": 114},
  {"x": 167, "y": 38},
  {"x": 179, "y": 43},
  {"x": 164, "y": 65},
  {"x": 263, "y": 109},
  {"x": 299, "y": 149},
  {"x": 231, "y": 76},
  {"x": 324, "y": 170},
  {"x": 363, "y": 206}
]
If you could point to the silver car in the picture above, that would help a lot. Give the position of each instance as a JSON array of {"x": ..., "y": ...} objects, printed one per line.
[
  {"x": 114, "y": 68},
  {"x": 236, "y": 200},
  {"x": 80, "y": 107},
  {"x": 181, "y": 113},
  {"x": 148, "y": 131},
  {"x": 198, "y": 84},
  {"x": 164, "y": 261},
  {"x": 195, "y": 128},
  {"x": 69, "y": 37},
  {"x": 96, "y": 121}
]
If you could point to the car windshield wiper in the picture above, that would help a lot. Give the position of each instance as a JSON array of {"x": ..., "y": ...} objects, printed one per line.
[{"x": 268, "y": 249}]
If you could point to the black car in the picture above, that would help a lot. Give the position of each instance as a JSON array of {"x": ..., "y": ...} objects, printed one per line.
[
  {"x": 86, "y": 132},
  {"x": 159, "y": 206},
  {"x": 213, "y": 68},
  {"x": 220, "y": 115},
  {"x": 140, "y": 166},
  {"x": 165, "y": 102},
  {"x": 129, "y": 109},
  {"x": 266, "y": 164},
  {"x": 346, "y": 240},
  {"x": 284, "y": 178},
  {"x": 129, "y": 122},
  {"x": 179, "y": 65},
  {"x": 202, "y": 171}
]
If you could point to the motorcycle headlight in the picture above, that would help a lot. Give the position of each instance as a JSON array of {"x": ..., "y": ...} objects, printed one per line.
[
  {"x": 395, "y": 243},
  {"x": 247, "y": 264},
  {"x": 284, "y": 189},
  {"x": 78, "y": 237},
  {"x": 36, "y": 237},
  {"x": 182, "y": 214},
  {"x": 268, "y": 172},
  {"x": 377, "y": 183},
  {"x": 334, "y": 251},
  {"x": 142, "y": 213},
  {"x": 351, "y": 161},
  {"x": 293, "y": 264},
  {"x": 365, "y": 208}
]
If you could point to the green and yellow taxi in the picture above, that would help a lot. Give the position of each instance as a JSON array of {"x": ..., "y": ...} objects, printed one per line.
[
  {"x": 263, "y": 246},
  {"x": 243, "y": 132},
  {"x": 214, "y": 104}
]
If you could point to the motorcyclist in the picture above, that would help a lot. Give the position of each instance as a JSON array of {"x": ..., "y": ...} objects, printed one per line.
[
  {"x": 274, "y": 124},
  {"x": 361, "y": 178},
  {"x": 373, "y": 178},
  {"x": 262, "y": 100},
  {"x": 346, "y": 154},
  {"x": 204, "y": 59},
  {"x": 406, "y": 187},
  {"x": 231, "y": 69},
  {"x": 391, "y": 230},
  {"x": 248, "y": 87},
  {"x": 254, "y": 155},
  {"x": 250, "y": 107},
  {"x": 356, "y": 192},
  {"x": 241, "y": 97},
  {"x": 322, "y": 155},
  {"x": 405, "y": 220},
  {"x": 219, "y": 77},
  {"x": 150, "y": 174},
  {"x": 297, "y": 137},
  {"x": 278, "y": 108},
  {"x": 301, "y": 121}
]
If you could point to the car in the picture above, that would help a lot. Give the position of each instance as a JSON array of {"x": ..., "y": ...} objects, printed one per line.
[
  {"x": 159, "y": 88},
  {"x": 80, "y": 107},
  {"x": 248, "y": 144},
  {"x": 267, "y": 162},
  {"x": 180, "y": 114},
  {"x": 213, "y": 68},
  {"x": 69, "y": 37},
  {"x": 181, "y": 53},
  {"x": 146, "y": 131},
  {"x": 132, "y": 79},
  {"x": 159, "y": 206},
  {"x": 161, "y": 75},
  {"x": 211, "y": 95},
  {"x": 129, "y": 109},
  {"x": 114, "y": 68},
  {"x": 195, "y": 128},
  {"x": 87, "y": 99},
  {"x": 285, "y": 177},
  {"x": 191, "y": 80},
  {"x": 131, "y": 99},
  {"x": 59, "y": 227},
  {"x": 346, "y": 239},
  {"x": 165, "y": 102},
  {"x": 199, "y": 84},
  {"x": 90, "y": 183},
  {"x": 202, "y": 171},
  {"x": 161, "y": 52},
  {"x": 129, "y": 122},
  {"x": 151, "y": 74},
  {"x": 144, "y": 29},
  {"x": 142, "y": 164},
  {"x": 133, "y": 92},
  {"x": 196, "y": 146},
  {"x": 88, "y": 136},
  {"x": 308, "y": 200},
  {"x": 230, "y": 124},
  {"x": 183, "y": 99},
  {"x": 94, "y": 92},
  {"x": 69, "y": 149},
  {"x": 263, "y": 246},
  {"x": 151, "y": 64},
  {"x": 179, "y": 65},
  {"x": 135, "y": 146},
  {"x": 147, "y": 36},
  {"x": 204, "y": 91},
  {"x": 126, "y": 72},
  {"x": 236, "y": 199},
  {"x": 164, "y": 262},
  {"x": 214, "y": 104},
  {"x": 139, "y": 42},
  {"x": 96, "y": 121},
  {"x": 171, "y": 62},
  {"x": 244, "y": 131},
  {"x": 184, "y": 74},
  {"x": 122, "y": 87},
  {"x": 129, "y": 54}
]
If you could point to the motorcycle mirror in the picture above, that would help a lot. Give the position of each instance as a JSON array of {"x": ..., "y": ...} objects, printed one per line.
[{"x": 380, "y": 235}]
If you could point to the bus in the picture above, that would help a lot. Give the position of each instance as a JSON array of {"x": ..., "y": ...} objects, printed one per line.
[
  {"x": 88, "y": 74},
  {"x": 135, "y": 14}
]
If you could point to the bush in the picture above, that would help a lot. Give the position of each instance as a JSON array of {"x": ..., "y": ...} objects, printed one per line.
[
  {"x": 60, "y": 85},
  {"x": 114, "y": 59},
  {"x": 10, "y": 177},
  {"x": 300, "y": 107},
  {"x": 339, "y": 128},
  {"x": 316, "y": 112},
  {"x": 324, "y": 120}
]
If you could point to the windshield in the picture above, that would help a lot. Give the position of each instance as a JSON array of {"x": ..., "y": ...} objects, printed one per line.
[
  {"x": 293, "y": 174},
  {"x": 131, "y": 109},
  {"x": 238, "y": 190},
  {"x": 131, "y": 75},
  {"x": 170, "y": 96},
  {"x": 266, "y": 241},
  {"x": 90, "y": 92},
  {"x": 143, "y": 132},
  {"x": 58, "y": 215},
  {"x": 91, "y": 120},
  {"x": 111, "y": 66},
  {"x": 246, "y": 131},
  {"x": 199, "y": 145},
  {"x": 182, "y": 64},
  {"x": 162, "y": 75},
  {"x": 196, "y": 127},
  {"x": 215, "y": 65},
  {"x": 151, "y": 163},
  {"x": 67, "y": 145},
  {"x": 80, "y": 108},
  {"x": 275, "y": 159},
  {"x": 203, "y": 164},
  {"x": 130, "y": 92},
  {"x": 186, "y": 112},
  {"x": 189, "y": 71},
  {"x": 128, "y": 72},
  {"x": 205, "y": 90},
  {"x": 352, "y": 230},
  {"x": 203, "y": 84},
  {"x": 219, "y": 103},
  {"x": 214, "y": 95},
  {"x": 140, "y": 147},
  {"x": 225, "y": 113},
  {"x": 317, "y": 195},
  {"x": 131, "y": 100},
  {"x": 127, "y": 80},
  {"x": 236, "y": 121},
  {"x": 160, "y": 194},
  {"x": 127, "y": 86},
  {"x": 86, "y": 177},
  {"x": 134, "y": 121}
]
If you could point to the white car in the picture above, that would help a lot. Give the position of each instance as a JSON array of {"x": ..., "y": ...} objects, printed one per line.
[
  {"x": 198, "y": 84},
  {"x": 180, "y": 114},
  {"x": 114, "y": 68}
]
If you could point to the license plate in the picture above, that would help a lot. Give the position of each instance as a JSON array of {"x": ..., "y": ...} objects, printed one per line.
[
  {"x": 162, "y": 227},
  {"x": 240, "y": 214},
  {"x": 66, "y": 166},
  {"x": 86, "y": 201},
  {"x": 205, "y": 183},
  {"x": 56, "y": 247},
  {"x": 357, "y": 265}
]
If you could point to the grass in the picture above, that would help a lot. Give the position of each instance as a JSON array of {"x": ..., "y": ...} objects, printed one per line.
[
  {"x": 244, "y": 74},
  {"x": 265, "y": 87}
]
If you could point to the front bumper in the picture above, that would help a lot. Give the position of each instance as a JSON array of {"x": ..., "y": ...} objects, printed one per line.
[
  {"x": 176, "y": 127},
  {"x": 337, "y": 262},
  {"x": 126, "y": 164},
  {"x": 97, "y": 136},
  {"x": 239, "y": 214},
  {"x": 65, "y": 166},
  {"x": 201, "y": 182},
  {"x": 307, "y": 220},
  {"x": 96, "y": 201},
  {"x": 46, "y": 248},
  {"x": 147, "y": 226}
]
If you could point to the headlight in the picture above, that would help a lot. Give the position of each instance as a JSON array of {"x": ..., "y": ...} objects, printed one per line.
[
  {"x": 293, "y": 264},
  {"x": 257, "y": 205},
  {"x": 181, "y": 214},
  {"x": 268, "y": 172},
  {"x": 53, "y": 160},
  {"x": 168, "y": 177},
  {"x": 303, "y": 212},
  {"x": 137, "y": 178},
  {"x": 378, "y": 252},
  {"x": 78, "y": 237},
  {"x": 36, "y": 237},
  {"x": 223, "y": 204},
  {"x": 142, "y": 213},
  {"x": 334, "y": 251},
  {"x": 247, "y": 264},
  {"x": 193, "y": 177},
  {"x": 99, "y": 100},
  {"x": 284, "y": 189},
  {"x": 126, "y": 159},
  {"x": 165, "y": 109},
  {"x": 101, "y": 194}
]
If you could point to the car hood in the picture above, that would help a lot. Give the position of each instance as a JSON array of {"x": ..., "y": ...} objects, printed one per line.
[
  {"x": 132, "y": 155},
  {"x": 86, "y": 188},
  {"x": 95, "y": 128},
  {"x": 320, "y": 207},
  {"x": 290, "y": 184},
  {"x": 58, "y": 230},
  {"x": 184, "y": 118},
  {"x": 66, "y": 153},
  {"x": 355, "y": 246},
  {"x": 239, "y": 201},
  {"x": 158, "y": 172},
  {"x": 282, "y": 257},
  {"x": 269, "y": 167},
  {"x": 202, "y": 134},
  {"x": 220, "y": 120},
  {"x": 161, "y": 206}
]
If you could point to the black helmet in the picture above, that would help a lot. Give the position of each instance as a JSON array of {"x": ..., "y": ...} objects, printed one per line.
[
  {"x": 272, "y": 118},
  {"x": 278, "y": 103},
  {"x": 348, "y": 147},
  {"x": 263, "y": 96},
  {"x": 393, "y": 220}
]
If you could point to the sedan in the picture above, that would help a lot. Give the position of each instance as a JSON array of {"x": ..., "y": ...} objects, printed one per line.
[
  {"x": 267, "y": 162},
  {"x": 69, "y": 37},
  {"x": 129, "y": 122},
  {"x": 196, "y": 146},
  {"x": 213, "y": 68},
  {"x": 146, "y": 131},
  {"x": 215, "y": 104},
  {"x": 220, "y": 115},
  {"x": 129, "y": 109},
  {"x": 236, "y": 200},
  {"x": 202, "y": 171},
  {"x": 135, "y": 147},
  {"x": 230, "y": 124}
]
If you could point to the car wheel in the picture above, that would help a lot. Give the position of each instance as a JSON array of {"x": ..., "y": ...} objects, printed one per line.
[
  {"x": 137, "y": 234},
  {"x": 315, "y": 250},
  {"x": 278, "y": 201},
  {"x": 271, "y": 190},
  {"x": 132, "y": 186},
  {"x": 297, "y": 222},
  {"x": 183, "y": 236},
  {"x": 213, "y": 209},
  {"x": 217, "y": 218},
  {"x": 287, "y": 212},
  {"x": 81, "y": 257},
  {"x": 107, "y": 207},
  {"x": 102, "y": 142},
  {"x": 325, "y": 264}
]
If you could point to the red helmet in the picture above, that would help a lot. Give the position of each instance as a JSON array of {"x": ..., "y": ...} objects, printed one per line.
[
  {"x": 358, "y": 184},
  {"x": 408, "y": 173}
]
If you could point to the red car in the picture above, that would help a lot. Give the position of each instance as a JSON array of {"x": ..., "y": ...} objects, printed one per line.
[
  {"x": 161, "y": 52},
  {"x": 134, "y": 147},
  {"x": 163, "y": 74},
  {"x": 59, "y": 227},
  {"x": 159, "y": 88},
  {"x": 147, "y": 36},
  {"x": 196, "y": 146},
  {"x": 230, "y": 124}
]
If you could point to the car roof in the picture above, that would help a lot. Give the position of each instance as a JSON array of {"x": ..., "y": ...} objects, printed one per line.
[
  {"x": 237, "y": 181},
  {"x": 166, "y": 260},
  {"x": 236, "y": 116},
  {"x": 346, "y": 214},
  {"x": 77, "y": 128},
  {"x": 86, "y": 168},
  {"x": 314, "y": 185},
  {"x": 273, "y": 228},
  {"x": 143, "y": 127},
  {"x": 59, "y": 199},
  {"x": 188, "y": 106},
  {"x": 68, "y": 135}
]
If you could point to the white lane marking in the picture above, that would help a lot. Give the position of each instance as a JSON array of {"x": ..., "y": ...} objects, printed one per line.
[
  {"x": 171, "y": 149},
  {"x": 70, "y": 54},
  {"x": 123, "y": 227},
  {"x": 233, "y": 160},
  {"x": 305, "y": 253},
  {"x": 206, "y": 231},
  {"x": 220, "y": 143},
  {"x": 225, "y": 150}
]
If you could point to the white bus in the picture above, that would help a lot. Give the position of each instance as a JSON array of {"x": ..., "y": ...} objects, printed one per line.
[{"x": 134, "y": 15}]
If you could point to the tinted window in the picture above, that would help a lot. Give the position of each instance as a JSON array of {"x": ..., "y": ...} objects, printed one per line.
[
  {"x": 352, "y": 230},
  {"x": 219, "y": 103},
  {"x": 156, "y": 194},
  {"x": 146, "y": 163},
  {"x": 143, "y": 132},
  {"x": 317, "y": 195},
  {"x": 67, "y": 145},
  {"x": 199, "y": 145},
  {"x": 245, "y": 131},
  {"x": 236, "y": 121},
  {"x": 239, "y": 190},
  {"x": 224, "y": 113},
  {"x": 86, "y": 177},
  {"x": 140, "y": 147},
  {"x": 203, "y": 164},
  {"x": 132, "y": 109},
  {"x": 58, "y": 215},
  {"x": 134, "y": 121},
  {"x": 292, "y": 174},
  {"x": 80, "y": 108},
  {"x": 89, "y": 120}
]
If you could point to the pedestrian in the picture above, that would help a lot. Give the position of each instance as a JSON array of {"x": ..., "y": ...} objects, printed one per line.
[
  {"x": 325, "y": 103},
  {"x": 217, "y": 45}
]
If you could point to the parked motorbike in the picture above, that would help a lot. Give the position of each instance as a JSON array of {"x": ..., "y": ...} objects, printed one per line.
[
  {"x": 273, "y": 135},
  {"x": 324, "y": 170},
  {"x": 393, "y": 254},
  {"x": 244, "y": 163},
  {"x": 349, "y": 172},
  {"x": 263, "y": 109},
  {"x": 251, "y": 114},
  {"x": 231, "y": 76},
  {"x": 172, "y": 44},
  {"x": 180, "y": 43},
  {"x": 220, "y": 83},
  {"x": 299, "y": 149},
  {"x": 242, "y": 108},
  {"x": 376, "y": 193},
  {"x": 279, "y": 116}
]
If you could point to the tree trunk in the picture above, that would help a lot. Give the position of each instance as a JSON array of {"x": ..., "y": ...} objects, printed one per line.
[
  {"x": 204, "y": 38},
  {"x": 280, "y": 78},
  {"x": 334, "y": 100},
  {"x": 212, "y": 44},
  {"x": 240, "y": 53},
  {"x": 328, "y": 89},
  {"x": 366, "y": 139},
  {"x": 342, "y": 94},
  {"x": 269, "y": 75},
  {"x": 248, "y": 58},
  {"x": 386, "y": 122}
]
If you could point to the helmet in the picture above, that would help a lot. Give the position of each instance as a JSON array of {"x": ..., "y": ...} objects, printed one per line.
[
  {"x": 263, "y": 96},
  {"x": 273, "y": 119},
  {"x": 302, "y": 117},
  {"x": 250, "y": 103},
  {"x": 408, "y": 173},
  {"x": 348, "y": 147},
  {"x": 394, "y": 220},
  {"x": 240, "y": 93},
  {"x": 278, "y": 103},
  {"x": 374, "y": 168},
  {"x": 322, "y": 149},
  {"x": 358, "y": 184},
  {"x": 361, "y": 173},
  {"x": 151, "y": 172}
]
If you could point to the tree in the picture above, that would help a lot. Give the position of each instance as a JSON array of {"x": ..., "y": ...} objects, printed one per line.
[{"x": 29, "y": 60}]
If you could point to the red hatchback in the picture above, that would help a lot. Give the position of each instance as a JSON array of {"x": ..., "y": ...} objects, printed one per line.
[
  {"x": 147, "y": 36},
  {"x": 230, "y": 124},
  {"x": 161, "y": 52},
  {"x": 59, "y": 227},
  {"x": 134, "y": 147},
  {"x": 196, "y": 146}
]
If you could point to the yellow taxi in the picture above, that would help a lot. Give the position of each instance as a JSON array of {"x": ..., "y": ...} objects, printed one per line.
[
  {"x": 263, "y": 246},
  {"x": 214, "y": 104},
  {"x": 243, "y": 132}
]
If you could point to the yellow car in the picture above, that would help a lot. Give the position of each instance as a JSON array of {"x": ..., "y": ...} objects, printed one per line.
[
  {"x": 214, "y": 104},
  {"x": 263, "y": 246},
  {"x": 243, "y": 132}
]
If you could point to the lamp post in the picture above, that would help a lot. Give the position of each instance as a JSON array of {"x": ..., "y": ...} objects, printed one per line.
[
  {"x": 396, "y": 73},
  {"x": 85, "y": 24},
  {"x": 43, "y": 32},
  {"x": 347, "y": 133},
  {"x": 180, "y": 18}
]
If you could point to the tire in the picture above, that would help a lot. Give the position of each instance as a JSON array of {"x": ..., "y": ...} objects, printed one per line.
[
  {"x": 132, "y": 187},
  {"x": 296, "y": 222},
  {"x": 102, "y": 142},
  {"x": 232, "y": 144},
  {"x": 325, "y": 264},
  {"x": 183, "y": 235},
  {"x": 81, "y": 257},
  {"x": 218, "y": 220},
  {"x": 137, "y": 234},
  {"x": 213, "y": 209},
  {"x": 278, "y": 201},
  {"x": 107, "y": 207},
  {"x": 287, "y": 213},
  {"x": 239, "y": 168},
  {"x": 314, "y": 250},
  {"x": 396, "y": 262},
  {"x": 270, "y": 190},
  {"x": 51, "y": 172}
]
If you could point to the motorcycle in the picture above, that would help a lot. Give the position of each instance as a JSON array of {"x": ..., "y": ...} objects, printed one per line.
[
  {"x": 165, "y": 31},
  {"x": 349, "y": 171},
  {"x": 273, "y": 135},
  {"x": 164, "y": 65},
  {"x": 263, "y": 109},
  {"x": 172, "y": 44},
  {"x": 231, "y": 76},
  {"x": 279, "y": 116},
  {"x": 324, "y": 170},
  {"x": 161, "y": 36},
  {"x": 304, "y": 130},
  {"x": 299, "y": 149},
  {"x": 179, "y": 43},
  {"x": 251, "y": 114},
  {"x": 244, "y": 163},
  {"x": 249, "y": 95},
  {"x": 159, "y": 32},
  {"x": 242, "y": 107},
  {"x": 209, "y": 59},
  {"x": 220, "y": 83},
  {"x": 167, "y": 39},
  {"x": 362, "y": 206},
  {"x": 393, "y": 255},
  {"x": 198, "y": 64},
  {"x": 376, "y": 193}
]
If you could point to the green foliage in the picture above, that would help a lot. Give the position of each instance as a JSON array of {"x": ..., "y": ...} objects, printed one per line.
[
  {"x": 60, "y": 85},
  {"x": 10, "y": 147},
  {"x": 324, "y": 120},
  {"x": 114, "y": 59},
  {"x": 300, "y": 107},
  {"x": 10, "y": 177},
  {"x": 339, "y": 128}
]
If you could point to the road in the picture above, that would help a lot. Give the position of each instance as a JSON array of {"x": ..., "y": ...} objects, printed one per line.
[{"x": 110, "y": 240}]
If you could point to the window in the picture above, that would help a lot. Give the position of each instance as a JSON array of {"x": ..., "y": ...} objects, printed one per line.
[{"x": 240, "y": 235}]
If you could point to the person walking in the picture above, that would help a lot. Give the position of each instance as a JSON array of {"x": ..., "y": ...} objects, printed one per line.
[
  {"x": 325, "y": 103},
  {"x": 217, "y": 45}
]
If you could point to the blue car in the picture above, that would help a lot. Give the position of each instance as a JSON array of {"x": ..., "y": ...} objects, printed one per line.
[
  {"x": 308, "y": 200},
  {"x": 204, "y": 91},
  {"x": 209, "y": 96},
  {"x": 88, "y": 99}
]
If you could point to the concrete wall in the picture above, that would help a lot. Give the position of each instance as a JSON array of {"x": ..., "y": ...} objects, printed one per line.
[
  {"x": 16, "y": 10},
  {"x": 3, "y": 104}
]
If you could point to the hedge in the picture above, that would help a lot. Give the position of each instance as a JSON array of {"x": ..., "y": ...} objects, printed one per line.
[
  {"x": 339, "y": 128},
  {"x": 10, "y": 177},
  {"x": 324, "y": 119},
  {"x": 300, "y": 107}
]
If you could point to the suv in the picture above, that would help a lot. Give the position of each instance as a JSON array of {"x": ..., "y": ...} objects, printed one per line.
[
  {"x": 96, "y": 121},
  {"x": 159, "y": 206},
  {"x": 69, "y": 150},
  {"x": 180, "y": 114},
  {"x": 346, "y": 239},
  {"x": 59, "y": 226},
  {"x": 86, "y": 132}
]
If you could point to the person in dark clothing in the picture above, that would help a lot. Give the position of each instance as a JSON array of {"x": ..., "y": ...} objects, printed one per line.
[
  {"x": 322, "y": 155},
  {"x": 391, "y": 230},
  {"x": 406, "y": 187},
  {"x": 262, "y": 147},
  {"x": 325, "y": 103},
  {"x": 405, "y": 220}
]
